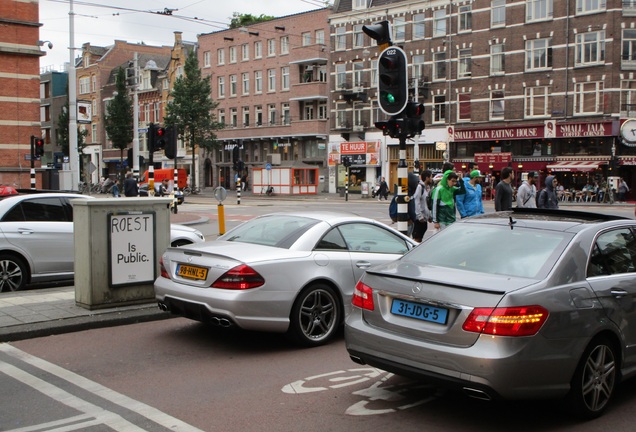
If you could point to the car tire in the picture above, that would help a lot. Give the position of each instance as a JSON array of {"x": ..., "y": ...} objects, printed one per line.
[
  {"x": 594, "y": 382},
  {"x": 315, "y": 316},
  {"x": 14, "y": 273}
]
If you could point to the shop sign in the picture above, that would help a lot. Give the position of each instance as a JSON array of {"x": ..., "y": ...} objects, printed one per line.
[
  {"x": 361, "y": 153},
  {"x": 510, "y": 133},
  {"x": 575, "y": 130},
  {"x": 493, "y": 158},
  {"x": 628, "y": 160}
]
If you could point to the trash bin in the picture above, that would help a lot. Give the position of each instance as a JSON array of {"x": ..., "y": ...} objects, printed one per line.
[{"x": 341, "y": 191}]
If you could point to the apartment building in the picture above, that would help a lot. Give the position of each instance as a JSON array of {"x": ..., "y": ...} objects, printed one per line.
[
  {"x": 537, "y": 84},
  {"x": 53, "y": 101},
  {"x": 95, "y": 72},
  {"x": 271, "y": 82},
  {"x": 19, "y": 90}
]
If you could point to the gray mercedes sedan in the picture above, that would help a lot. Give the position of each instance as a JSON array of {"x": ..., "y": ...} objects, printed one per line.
[{"x": 520, "y": 304}]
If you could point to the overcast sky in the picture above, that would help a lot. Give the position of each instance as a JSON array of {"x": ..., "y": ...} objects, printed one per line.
[{"x": 131, "y": 21}]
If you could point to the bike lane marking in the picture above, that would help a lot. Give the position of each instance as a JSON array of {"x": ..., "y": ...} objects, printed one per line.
[{"x": 90, "y": 410}]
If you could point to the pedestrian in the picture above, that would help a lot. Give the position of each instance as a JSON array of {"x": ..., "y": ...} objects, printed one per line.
[
  {"x": 547, "y": 198},
  {"x": 527, "y": 193},
  {"x": 162, "y": 188},
  {"x": 422, "y": 212},
  {"x": 383, "y": 192},
  {"x": 131, "y": 189},
  {"x": 503, "y": 191},
  {"x": 470, "y": 167},
  {"x": 443, "y": 213},
  {"x": 115, "y": 190},
  {"x": 470, "y": 204},
  {"x": 622, "y": 190}
]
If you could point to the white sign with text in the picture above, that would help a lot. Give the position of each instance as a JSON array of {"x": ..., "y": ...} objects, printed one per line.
[{"x": 132, "y": 248}]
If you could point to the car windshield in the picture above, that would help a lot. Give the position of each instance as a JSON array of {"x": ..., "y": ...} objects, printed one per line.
[
  {"x": 493, "y": 249},
  {"x": 275, "y": 230}
]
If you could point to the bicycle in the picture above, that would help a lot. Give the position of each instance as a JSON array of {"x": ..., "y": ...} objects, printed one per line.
[{"x": 188, "y": 191}]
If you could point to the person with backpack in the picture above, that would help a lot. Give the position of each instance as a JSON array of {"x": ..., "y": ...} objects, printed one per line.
[
  {"x": 527, "y": 193},
  {"x": 443, "y": 213},
  {"x": 470, "y": 203},
  {"x": 422, "y": 212},
  {"x": 547, "y": 198}
]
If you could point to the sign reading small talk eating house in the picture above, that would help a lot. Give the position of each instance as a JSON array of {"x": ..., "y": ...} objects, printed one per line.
[{"x": 131, "y": 245}]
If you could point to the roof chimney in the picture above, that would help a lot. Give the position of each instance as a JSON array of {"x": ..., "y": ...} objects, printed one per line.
[{"x": 177, "y": 38}]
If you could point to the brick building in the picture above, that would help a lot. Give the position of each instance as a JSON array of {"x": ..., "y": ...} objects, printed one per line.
[
  {"x": 531, "y": 84},
  {"x": 95, "y": 86},
  {"x": 271, "y": 82},
  {"x": 19, "y": 90}
]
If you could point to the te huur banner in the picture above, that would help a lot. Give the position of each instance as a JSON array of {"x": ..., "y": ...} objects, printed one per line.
[{"x": 362, "y": 153}]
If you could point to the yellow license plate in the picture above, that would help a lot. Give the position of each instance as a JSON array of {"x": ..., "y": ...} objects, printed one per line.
[{"x": 192, "y": 272}]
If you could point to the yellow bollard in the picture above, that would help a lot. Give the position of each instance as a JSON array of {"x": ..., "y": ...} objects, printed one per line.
[{"x": 221, "y": 212}]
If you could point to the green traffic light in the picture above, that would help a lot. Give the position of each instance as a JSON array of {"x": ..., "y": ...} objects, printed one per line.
[{"x": 390, "y": 98}]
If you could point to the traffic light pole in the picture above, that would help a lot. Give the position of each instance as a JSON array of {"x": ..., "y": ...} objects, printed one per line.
[
  {"x": 135, "y": 146},
  {"x": 402, "y": 192},
  {"x": 33, "y": 162}
]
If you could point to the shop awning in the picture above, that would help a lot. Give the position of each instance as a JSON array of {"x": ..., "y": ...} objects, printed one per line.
[{"x": 584, "y": 166}]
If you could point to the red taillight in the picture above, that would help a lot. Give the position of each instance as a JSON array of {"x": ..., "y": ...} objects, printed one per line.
[
  {"x": 162, "y": 269},
  {"x": 510, "y": 321},
  {"x": 363, "y": 296},
  {"x": 240, "y": 277}
]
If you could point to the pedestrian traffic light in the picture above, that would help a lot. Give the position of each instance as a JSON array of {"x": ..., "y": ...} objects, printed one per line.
[
  {"x": 170, "y": 148},
  {"x": 151, "y": 137},
  {"x": 161, "y": 138},
  {"x": 392, "y": 81},
  {"x": 346, "y": 161},
  {"x": 39, "y": 147}
]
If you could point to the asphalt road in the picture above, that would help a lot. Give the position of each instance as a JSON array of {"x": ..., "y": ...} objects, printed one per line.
[{"x": 183, "y": 376}]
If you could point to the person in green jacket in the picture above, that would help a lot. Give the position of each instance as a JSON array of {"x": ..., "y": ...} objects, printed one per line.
[{"x": 444, "y": 199}]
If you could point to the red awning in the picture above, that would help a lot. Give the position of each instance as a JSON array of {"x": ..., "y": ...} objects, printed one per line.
[{"x": 574, "y": 166}]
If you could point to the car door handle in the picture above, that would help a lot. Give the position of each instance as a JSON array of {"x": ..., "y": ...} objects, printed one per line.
[
  {"x": 619, "y": 293},
  {"x": 363, "y": 264},
  {"x": 25, "y": 231}
]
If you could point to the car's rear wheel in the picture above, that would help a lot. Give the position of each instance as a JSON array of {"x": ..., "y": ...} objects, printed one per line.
[
  {"x": 594, "y": 381},
  {"x": 13, "y": 273},
  {"x": 315, "y": 316}
]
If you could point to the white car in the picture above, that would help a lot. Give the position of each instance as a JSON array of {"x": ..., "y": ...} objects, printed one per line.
[{"x": 36, "y": 239}]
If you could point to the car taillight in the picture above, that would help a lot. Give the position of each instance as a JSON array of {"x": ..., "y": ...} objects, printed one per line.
[
  {"x": 240, "y": 277},
  {"x": 510, "y": 321},
  {"x": 363, "y": 296},
  {"x": 162, "y": 269}
]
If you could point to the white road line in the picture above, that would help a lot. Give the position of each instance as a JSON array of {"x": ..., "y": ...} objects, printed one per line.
[{"x": 99, "y": 390}]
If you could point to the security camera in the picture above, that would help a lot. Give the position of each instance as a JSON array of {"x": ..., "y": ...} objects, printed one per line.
[{"x": 50, "y": 45}]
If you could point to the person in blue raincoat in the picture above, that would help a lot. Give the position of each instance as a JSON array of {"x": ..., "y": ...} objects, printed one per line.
[{"x": 470, "y": 204}]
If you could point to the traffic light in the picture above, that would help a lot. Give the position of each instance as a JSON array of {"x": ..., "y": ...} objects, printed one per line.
[
  {"x": 170, "y": 148},
  {"x": 39, "y": 147},
  {"x": 392, "y": 81},
  {"x": 161, "y": 138},
  {"x": 346, "y": 161},
  {"x": 152, "y": 133},
  {"x": 414, "y": 112},
  {"x": 235, "y": 154},
  {"x": 129, "y": 157},
  {"x": 380, "y": 32}
]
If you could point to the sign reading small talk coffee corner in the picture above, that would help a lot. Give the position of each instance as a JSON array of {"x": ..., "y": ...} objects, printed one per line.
[{"x": 132, "y": 248}]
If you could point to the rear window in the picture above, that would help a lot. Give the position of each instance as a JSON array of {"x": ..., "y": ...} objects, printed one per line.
[
  {"x": 499, "y": 250},
  {"x": 278, "y": 231}
]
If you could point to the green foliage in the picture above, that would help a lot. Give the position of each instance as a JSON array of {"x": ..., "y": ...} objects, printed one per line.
[
  {"x": 63, "y": 137},
  {"x": 119, "y": 115},
  {"x": 190, "y": 110},
  {"x": 241, "y": 20}
]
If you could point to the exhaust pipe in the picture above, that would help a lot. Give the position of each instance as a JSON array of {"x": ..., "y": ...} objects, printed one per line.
[
  {"x": 356, "y": 359},
  {"x": 477, "y": 394},
  {"x": 221, "y": 322},
  {"x": 163, "y": 307}
]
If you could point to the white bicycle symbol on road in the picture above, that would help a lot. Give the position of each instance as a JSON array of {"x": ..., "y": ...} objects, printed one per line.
[{"x": 396, "y": 397}]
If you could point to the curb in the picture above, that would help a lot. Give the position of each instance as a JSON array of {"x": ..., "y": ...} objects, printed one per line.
[{"x": 89, "y": 322}]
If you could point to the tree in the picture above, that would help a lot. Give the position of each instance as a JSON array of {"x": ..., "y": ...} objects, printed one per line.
[
  {"x": 242, "y": 20},
  {"x": 119, "y": 116},
  {"x": 63, "y": 133},
  {"x": 190, "y": 110}
]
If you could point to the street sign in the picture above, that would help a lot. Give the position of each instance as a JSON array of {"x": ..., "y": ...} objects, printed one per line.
[
  {"x": 142, "y": 130},
  {"x": 268, "y": 167}
]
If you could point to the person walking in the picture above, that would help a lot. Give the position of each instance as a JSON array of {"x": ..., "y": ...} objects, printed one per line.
[
  {"x": 383, "y": 192},
  {"x": 547, "y": 198},
  {"x": 443, "y": 213},
  {"x": 622, "y": 190},
  {"x": 470, "y": 204},
  {"x": 503, "y": 191},
  {"x": 422, "y": 212},
  {"x": 527, "y": 193},
  {"x": 131, "y": 189}
]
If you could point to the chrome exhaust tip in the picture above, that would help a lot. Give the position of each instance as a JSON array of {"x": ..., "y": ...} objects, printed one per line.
[
  {"x": 356, "y": 359},
  {"x": 477, "y": 394}
]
